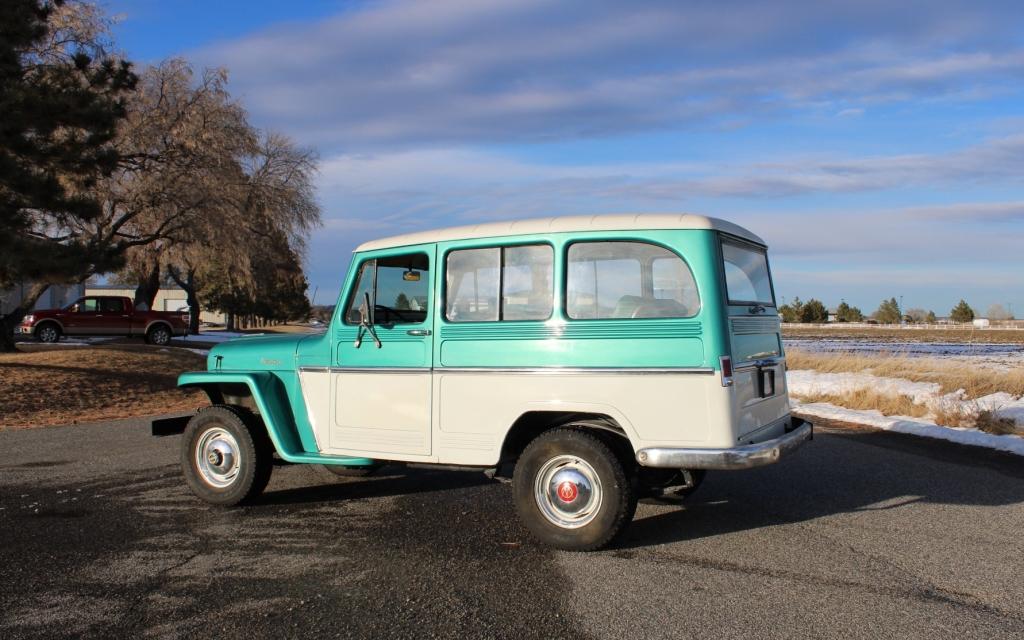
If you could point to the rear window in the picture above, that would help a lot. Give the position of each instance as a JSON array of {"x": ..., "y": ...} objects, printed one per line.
[
  {"x": 746, "y": 274},
  {"x": 621, "y": 279}
]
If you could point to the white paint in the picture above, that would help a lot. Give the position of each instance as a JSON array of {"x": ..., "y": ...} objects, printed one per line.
[
  {"x": 463, "y": 418},
  {"x": 621, "y": 222}
]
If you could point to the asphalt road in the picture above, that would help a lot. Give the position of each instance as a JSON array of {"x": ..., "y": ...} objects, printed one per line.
[{"x": 858, "y": 535}]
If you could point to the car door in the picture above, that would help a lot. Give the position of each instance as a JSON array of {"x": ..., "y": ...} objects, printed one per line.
[
  {"x": 113, "y": 318},
  {"x": 82, "y": 317},
  {"x": 381, "y": 374}
]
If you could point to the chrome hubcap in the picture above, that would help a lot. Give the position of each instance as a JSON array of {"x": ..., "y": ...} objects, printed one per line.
[
  {"x": 47, "y": 334},
  {"x": 161, "y": 337},
  {"x": 217, "y": 457},
  {"x": 568, "y": 491}
]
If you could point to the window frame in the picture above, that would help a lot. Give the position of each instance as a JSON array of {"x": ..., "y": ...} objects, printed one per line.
[
  {"x": 353, "y": 289},
  {"x": 566, "y": 270},
  {"x": 501, "y": 281},
  {"x": 724, "y": 239}
]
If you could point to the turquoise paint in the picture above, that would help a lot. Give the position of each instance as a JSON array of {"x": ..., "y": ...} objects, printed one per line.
[
  {"x": 398, "y": 348},
  {"x": 697, "y": 341}
]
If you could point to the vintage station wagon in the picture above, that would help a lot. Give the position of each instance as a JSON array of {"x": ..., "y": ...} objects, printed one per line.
[{"x": 595, "y": 360}]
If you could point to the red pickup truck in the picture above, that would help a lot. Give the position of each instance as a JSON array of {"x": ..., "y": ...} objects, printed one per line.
[{"x": 105, "y": 316}]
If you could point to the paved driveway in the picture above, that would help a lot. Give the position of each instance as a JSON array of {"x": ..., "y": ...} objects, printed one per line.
[{"x": 859, "y": 535}]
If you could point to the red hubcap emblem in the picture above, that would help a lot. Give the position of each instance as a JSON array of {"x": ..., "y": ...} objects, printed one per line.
[{"x": 567, "y": 491}]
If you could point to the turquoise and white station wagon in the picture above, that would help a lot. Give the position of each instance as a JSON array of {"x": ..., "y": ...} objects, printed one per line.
[{"x": 595, "y": 360}]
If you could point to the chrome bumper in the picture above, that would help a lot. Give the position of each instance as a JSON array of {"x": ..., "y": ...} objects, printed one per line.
[{"x": 743, "y": 457}]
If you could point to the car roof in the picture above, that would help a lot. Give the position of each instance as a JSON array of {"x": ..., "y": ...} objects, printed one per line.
[{"x": 615, "y": 222}]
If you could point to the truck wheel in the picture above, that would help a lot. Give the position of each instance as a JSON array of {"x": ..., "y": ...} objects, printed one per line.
[
  {"x": 159, "y": 335},
  {"x": 571, "y": 491},
  {"x": 351, "y": 472},
  {"x": 226, "y": 456},
  {"x": 48, "y": 332}
]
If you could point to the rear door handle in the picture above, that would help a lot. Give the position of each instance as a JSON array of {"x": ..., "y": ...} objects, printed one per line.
[{"x": 418, "y": 332}]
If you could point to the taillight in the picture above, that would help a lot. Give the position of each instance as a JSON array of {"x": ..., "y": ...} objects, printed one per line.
[{"x": 726, "y": 362}]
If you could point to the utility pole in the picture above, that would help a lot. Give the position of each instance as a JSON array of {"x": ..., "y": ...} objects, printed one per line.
[{"x": 901, "y": 311}]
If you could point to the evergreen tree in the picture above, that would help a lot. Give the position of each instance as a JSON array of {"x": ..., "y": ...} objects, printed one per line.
[
  {"x": 930, "y": 318},
  {"x": 843, "y": 312},
  {"x": 61, "y": 102},
  {"x": 962, "y": 312},
  {"x": 888, "y": 312},
  {"x": 813, "y": 311}
]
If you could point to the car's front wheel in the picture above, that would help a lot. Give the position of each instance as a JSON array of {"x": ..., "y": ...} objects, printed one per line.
[
  {"x": 48, "y": 332},
  {"x": 572, "y": 491},
  {"x": 226, "y": 456}
]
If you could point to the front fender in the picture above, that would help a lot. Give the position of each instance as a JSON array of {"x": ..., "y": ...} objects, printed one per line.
[{"x": 271, "y": 399}]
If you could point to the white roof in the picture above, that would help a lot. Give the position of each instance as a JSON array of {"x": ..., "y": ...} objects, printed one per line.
[{"x": 616, "y": 222}]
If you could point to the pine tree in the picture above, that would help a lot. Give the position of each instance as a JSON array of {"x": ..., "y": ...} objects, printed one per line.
[
  {"x": 814, "y": 311},
  {"x": 962, "y": 312},
  {"x": 61, "y": 108},
  {"x": 888, "y": 312}
]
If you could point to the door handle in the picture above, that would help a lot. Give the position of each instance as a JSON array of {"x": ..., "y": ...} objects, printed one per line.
[{"x": 418, "y": 332}]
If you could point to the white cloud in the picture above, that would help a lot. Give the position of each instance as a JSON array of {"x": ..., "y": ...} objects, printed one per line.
[{"x": 449, "y": 72}]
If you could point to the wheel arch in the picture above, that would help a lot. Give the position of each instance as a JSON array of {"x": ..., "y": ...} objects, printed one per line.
[
  {"x": 40, "y": 322},
  {"x": 611, "y": 428},
  {"x": 156, "y": 322}
]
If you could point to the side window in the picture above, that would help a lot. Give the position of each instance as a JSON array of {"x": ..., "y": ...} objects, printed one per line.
[
  {"x": 111, "y": 305},
  {"x": 628, "y": 280},
  {"x": 398, "y": 287},
  {"x": 500, "y": 283},
  {"x": 87, "y": 305}
]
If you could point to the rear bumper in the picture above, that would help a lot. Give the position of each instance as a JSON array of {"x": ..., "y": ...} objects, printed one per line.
[{"x": 743, "y": 457}]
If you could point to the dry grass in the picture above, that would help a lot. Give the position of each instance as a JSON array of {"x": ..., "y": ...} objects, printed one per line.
[
  {"x": 51, "y": 386},
  {"x": 909, "y": 334},
  {"x": 950, "y": 376},
  {"x": 998, "y": 425},
  {"x": 889, "y": 404}
]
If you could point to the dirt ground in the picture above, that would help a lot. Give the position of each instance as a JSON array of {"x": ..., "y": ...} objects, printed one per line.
[
  {"x": 909, "y": 334},
  {"x": 41, "y": 386}
]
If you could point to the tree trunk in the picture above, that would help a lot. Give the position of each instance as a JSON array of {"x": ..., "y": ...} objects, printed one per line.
[
  {"x": 11, "y": 321},
  {"x": 188, "y": 284},
  {"x": 229, "y": 321},
  {"x": 148, "y": 287}
]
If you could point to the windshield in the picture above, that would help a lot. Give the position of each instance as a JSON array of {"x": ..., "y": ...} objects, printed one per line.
[{"x": 746, "y": 274}]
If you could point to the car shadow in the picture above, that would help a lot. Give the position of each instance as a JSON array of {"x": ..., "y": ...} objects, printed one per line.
[
  {"x": 837, "y": 473},
  {"x": 387, "y": 482}
]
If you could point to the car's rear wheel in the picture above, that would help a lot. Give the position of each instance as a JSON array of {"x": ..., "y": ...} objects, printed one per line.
[
  {"x": 48, "y": 332},
  {"x": 159, "y": 335},
  {"x": 226, "y": 455},
  {"x": 572, "y": 491}
]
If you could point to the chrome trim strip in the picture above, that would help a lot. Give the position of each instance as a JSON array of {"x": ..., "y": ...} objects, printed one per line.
[
  {"x": 562, "y": 370},
  {"x": 380, "y": 369},
  {"x": 575, "y": 370},
  {"x": 744, "y": 457}
]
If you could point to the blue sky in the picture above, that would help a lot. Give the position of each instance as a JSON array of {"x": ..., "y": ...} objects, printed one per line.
[{"x": 877, "y": 146}]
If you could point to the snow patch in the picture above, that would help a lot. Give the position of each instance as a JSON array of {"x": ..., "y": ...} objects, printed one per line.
[{"x": 913, "y": 426}]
